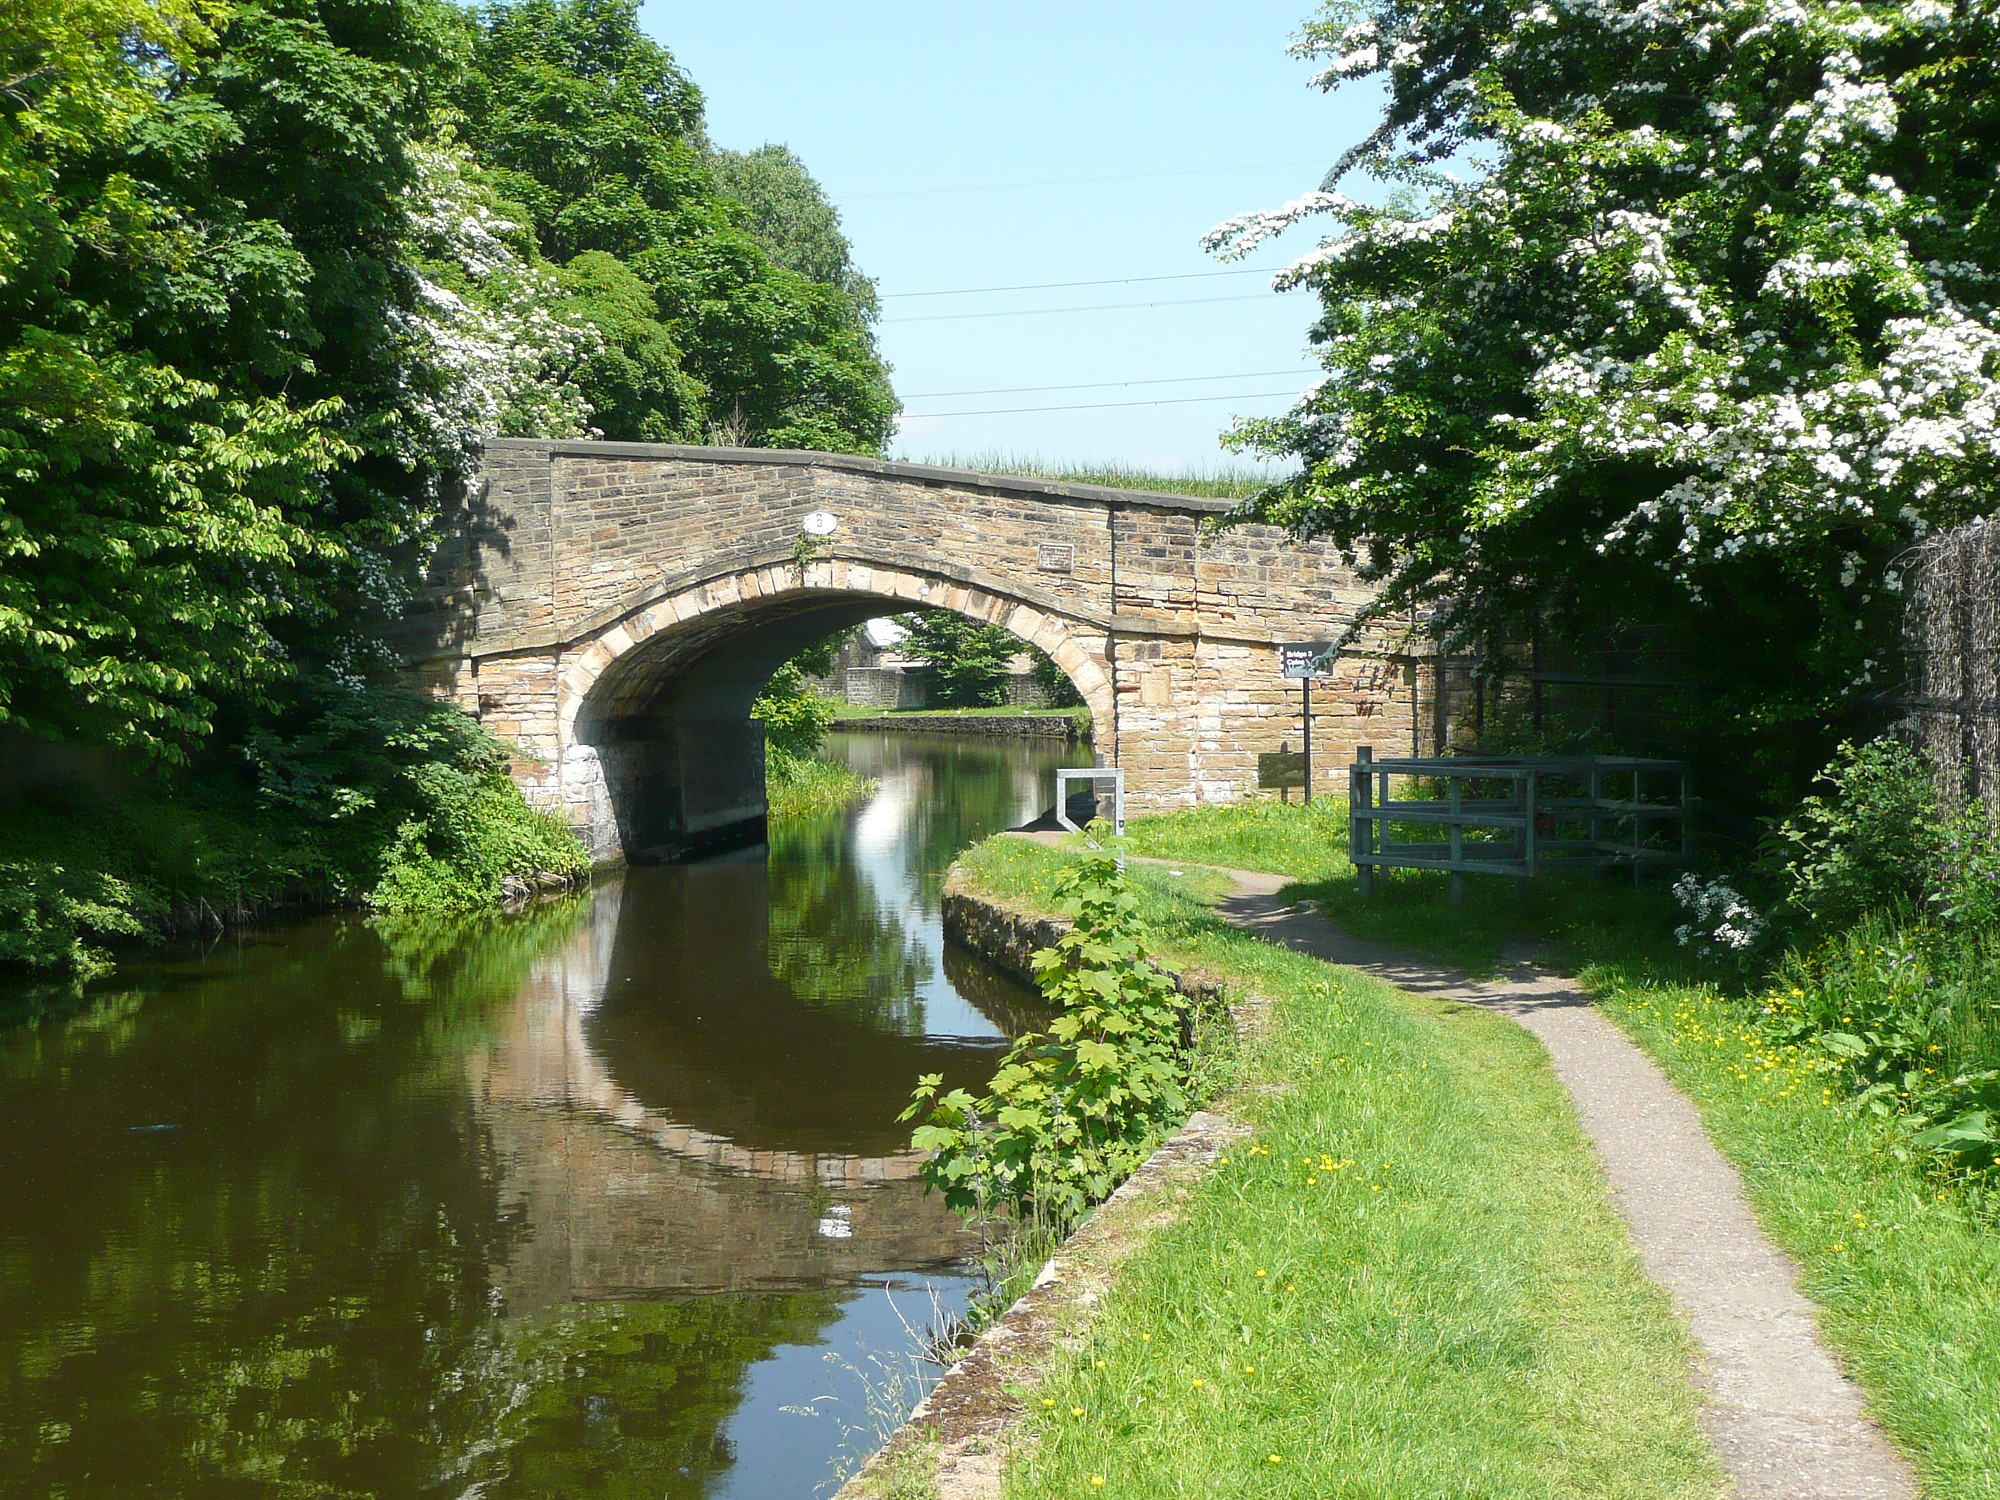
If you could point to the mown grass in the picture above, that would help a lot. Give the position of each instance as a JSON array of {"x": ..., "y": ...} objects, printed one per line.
[
  {"x": 1410, "y": 1282},
  {"x": 1217, "y": 482},
  {"x": 1569, "y": 919},
  {"x": 1907, "y": 1271}
]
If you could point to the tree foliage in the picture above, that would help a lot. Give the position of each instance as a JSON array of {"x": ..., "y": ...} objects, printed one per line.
[
  {"x": 970, "y": 661},
  {"x": 268, "y": 270},
  {"x": 591, "y": 125},
  {"x": 202, "y": 444},
  {"x": 1704, "y": 335},
  {"x": 788, "y": 213}
]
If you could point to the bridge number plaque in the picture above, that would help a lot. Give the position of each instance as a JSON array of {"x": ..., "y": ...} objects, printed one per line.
[{"x": 1055, "y": 557}]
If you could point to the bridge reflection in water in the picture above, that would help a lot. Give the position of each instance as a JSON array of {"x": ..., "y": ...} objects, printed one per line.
[
  {"x": 575, "y": 1203},
  {"x": 670, "y": 1115}
]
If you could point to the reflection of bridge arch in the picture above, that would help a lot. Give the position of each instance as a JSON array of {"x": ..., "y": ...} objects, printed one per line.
[
  {"x": 589, "y": 1085},
  {"x": 621, "y": 1195},
  {"x": 613, "y": 609}
]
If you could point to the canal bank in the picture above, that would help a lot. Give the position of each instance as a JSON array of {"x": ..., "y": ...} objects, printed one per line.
[
  {"x": 607, "y": 1195},
  {"x": 1410, "y": 1278}
]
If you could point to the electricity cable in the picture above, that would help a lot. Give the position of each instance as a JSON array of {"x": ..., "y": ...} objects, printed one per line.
[
  {"x": 1101, "y": 385},
  {"x": 1005, "y": 187},
  {"x": 1050, "y": 286},
  {"x": 1001, "y": 411},
  {"x": 1037, "y": 312}
]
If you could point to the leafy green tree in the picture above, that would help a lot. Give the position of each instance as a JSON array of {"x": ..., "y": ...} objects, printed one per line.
[
  {"x": 788, "y": 213},
  {"x": 207, "y": 441},
  {"x": 1680, "y": 311},
  {"x": 795, "y": 715},
  {"x": 634, "y": 380},
  {"x": 970, "y": 661},
  {"x": 591, "y": 126}
]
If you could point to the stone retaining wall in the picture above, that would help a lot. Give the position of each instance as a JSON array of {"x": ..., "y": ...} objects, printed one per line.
[
  {"x": 1000, "y": 726},
  {"x": 1009, "y": 936},
  {"x": 969, "y": 1419}
]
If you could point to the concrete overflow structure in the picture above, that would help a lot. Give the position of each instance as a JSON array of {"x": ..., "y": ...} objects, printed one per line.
[{"x": 613, "y": 609}]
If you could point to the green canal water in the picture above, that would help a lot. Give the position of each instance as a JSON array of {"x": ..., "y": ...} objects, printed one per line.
[{"x": 606, "y": 1199}]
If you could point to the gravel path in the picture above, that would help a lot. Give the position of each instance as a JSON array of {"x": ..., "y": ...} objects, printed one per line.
[{"x": 1786, "y": 1423}]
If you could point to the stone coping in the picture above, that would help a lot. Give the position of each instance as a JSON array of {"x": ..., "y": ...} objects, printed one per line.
[
  {"x": 970, "y": 1417},
  {"x": 856, "y": 463},
  {"x": 1009, "y": 726}
]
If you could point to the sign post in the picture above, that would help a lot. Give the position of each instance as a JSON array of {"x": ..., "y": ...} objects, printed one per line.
[{"x": 1302, "y": 660}]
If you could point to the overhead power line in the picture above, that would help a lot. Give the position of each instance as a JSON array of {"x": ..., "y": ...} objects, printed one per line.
[
  {"x": 1050, "y": 286},
  {"x": 1040, "y": 312},
  {"x": 1103, "y": 385},
  {"x": 1002, "y": 411},
  {"x": 1008, "y": 187}
]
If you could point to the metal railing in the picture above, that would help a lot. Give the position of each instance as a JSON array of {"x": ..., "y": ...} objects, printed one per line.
[
  {"x": 1520, "y": 816},
  {"x": 1094, "y": 776}
]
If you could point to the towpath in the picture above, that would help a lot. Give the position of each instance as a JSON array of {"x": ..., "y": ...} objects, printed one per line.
[{"x": 1787, "y": 1424}]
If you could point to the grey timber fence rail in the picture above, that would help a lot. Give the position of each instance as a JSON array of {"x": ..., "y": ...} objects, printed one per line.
[{"x": 1517, "y": 816}]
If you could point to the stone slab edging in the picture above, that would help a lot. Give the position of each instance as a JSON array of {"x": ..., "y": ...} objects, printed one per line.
[
  {"x": 971, "y": 1414},
  {"x": 1017, "y": 726}
]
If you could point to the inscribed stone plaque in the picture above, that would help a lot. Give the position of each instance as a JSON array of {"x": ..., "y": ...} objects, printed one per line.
[
  {"x": 1278, "y": 769},
  {"x": 1055, "y": 557}
]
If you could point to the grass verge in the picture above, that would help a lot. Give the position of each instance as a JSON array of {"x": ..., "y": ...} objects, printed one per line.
[
  {"x": 1906, "y": 1270},
  {"x": 1908, "y": 1279},
  {"x": 1576, "y": 917},
  {"x": 1411, "y": 1283}
]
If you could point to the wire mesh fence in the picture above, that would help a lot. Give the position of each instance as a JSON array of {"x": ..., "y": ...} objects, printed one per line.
[{"x": 1952, "y": 635}]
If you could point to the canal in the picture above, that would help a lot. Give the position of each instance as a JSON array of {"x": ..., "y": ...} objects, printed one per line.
[{"x": 605, "y": 1199}]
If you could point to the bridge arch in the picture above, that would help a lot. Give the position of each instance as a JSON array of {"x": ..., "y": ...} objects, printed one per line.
[
  {"x": 612, "y": 608},
  {"x": 658, "y": 751}
]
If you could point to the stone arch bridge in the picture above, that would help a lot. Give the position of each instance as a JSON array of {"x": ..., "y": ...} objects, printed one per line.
[{"x": 613, "y": 609}]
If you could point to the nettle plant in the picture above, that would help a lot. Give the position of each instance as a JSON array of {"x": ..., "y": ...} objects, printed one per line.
[
  {"x": 1073, "y": 1110},
  {"x": 1678, "y": 309}
]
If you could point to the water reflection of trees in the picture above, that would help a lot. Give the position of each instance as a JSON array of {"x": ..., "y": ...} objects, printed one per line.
[
  {"x": 959, "y": 791},
  {"x": 832, "y": 941},
  {"x": 289, "y": 1287},
  {"x": 253, "y": 1252},
  {"x": 629, "y": 1400}
]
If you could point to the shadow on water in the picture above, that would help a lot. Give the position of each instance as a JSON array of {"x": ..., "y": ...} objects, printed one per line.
[{"x": 589, "y": 1200}]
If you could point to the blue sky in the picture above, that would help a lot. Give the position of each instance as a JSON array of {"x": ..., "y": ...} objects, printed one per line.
[{"x": 953, "y": 138}]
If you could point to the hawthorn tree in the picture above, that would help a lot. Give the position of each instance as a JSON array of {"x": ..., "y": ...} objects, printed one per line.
[{"x": 1680, "y": 311}]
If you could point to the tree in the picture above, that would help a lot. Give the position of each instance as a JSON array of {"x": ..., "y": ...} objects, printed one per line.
[
  {"x": 787, "y": 212},
  {"x": 1705, "y": 336},
  {"x": 205, "y": 451},
  {"x": 971, "y": 661},
  {"x": 591, "y": 126}
]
